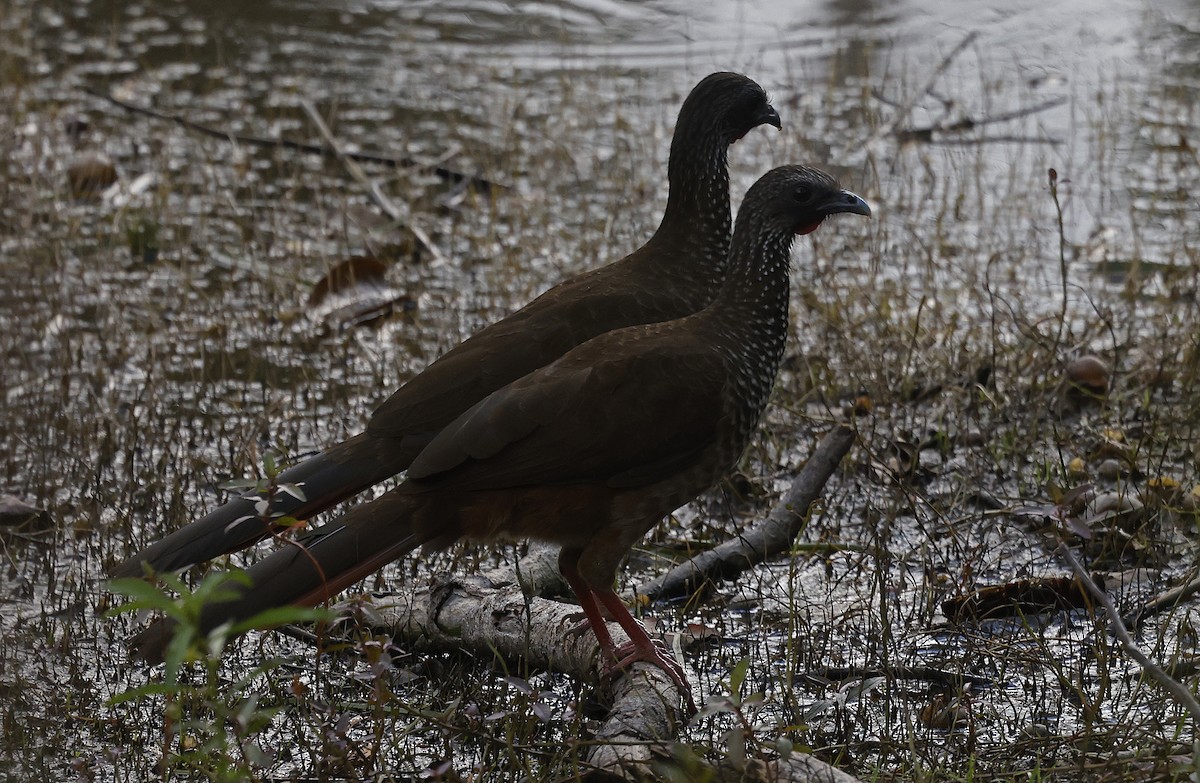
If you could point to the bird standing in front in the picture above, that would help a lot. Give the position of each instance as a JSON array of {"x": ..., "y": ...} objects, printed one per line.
[
  {"x": 588, "y": 452},
  {"x": 677, "y": 272}
]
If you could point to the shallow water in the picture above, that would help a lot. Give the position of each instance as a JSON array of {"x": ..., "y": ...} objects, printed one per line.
[{"x": 132, "y": 389}]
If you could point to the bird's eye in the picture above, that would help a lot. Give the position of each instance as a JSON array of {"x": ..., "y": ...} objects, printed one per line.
[
  {"x": 802, "y": 194},
  {"x": 739, "y": 114}
]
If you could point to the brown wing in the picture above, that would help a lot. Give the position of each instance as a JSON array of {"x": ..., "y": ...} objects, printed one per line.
[
  {"x": 610, "y": 298},
  {"x": 621, "y": 410}
]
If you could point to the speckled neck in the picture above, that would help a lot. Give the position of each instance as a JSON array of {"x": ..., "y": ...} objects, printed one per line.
[
  {"x": 750, "y": 316},
  {"x": 697, "y": 218}
]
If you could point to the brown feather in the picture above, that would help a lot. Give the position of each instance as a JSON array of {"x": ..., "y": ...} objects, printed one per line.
[{"x": 677, "y": 272}]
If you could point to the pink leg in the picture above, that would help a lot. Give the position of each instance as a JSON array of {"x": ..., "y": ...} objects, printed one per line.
[
  {"x": 594, "y": 617},
  {"x": 641, "y": 647}
]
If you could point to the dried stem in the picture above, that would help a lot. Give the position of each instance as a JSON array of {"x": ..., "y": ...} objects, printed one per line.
[
  {"x": 1177, "y": 690},
  {"x": 372, "y": 187},
  {"x": 448, "y": 174}
]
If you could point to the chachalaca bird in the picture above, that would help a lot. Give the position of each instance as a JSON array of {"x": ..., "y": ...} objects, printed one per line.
[
  {"x": 588, "y": 452},
  {"x": 677, "y": 272}
]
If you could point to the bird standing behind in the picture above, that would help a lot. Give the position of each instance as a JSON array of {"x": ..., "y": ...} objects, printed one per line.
[
  {"x": 677, "y": 272},
  {"x": 588, "y": 452}
]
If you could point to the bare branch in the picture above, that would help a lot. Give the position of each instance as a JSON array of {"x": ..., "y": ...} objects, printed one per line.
[
  {"x": 371, "y": 186},
  {"x": 971, "y": 123},
  {"x": 998, "y": 139},
  {"x": 765, "y": 539},
  {"x": 1178, "y": 691},
  {"x": 906, "y": 108},
  {"x": 1162, "y": 602},
  {"x": 929, "y": 134},
  {"x": 488, "y": 614},
  {"x": 921, "y": 673}
]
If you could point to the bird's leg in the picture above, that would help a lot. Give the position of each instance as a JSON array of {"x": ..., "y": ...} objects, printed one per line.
[
  {"x": 597, "y": 603},
  {"x": 594, "y": 619},
  {"x": 593, "y": 613},
  {"x": 581, "y": 623},
  {"x": 641, "y": 647}
]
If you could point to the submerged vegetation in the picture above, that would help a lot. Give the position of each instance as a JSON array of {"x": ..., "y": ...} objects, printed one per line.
[{"x": 1014, "y": 339}]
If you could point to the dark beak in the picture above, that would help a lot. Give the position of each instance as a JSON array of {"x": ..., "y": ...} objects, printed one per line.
[
  {"x": 768, "y": 116},
  {"x": 845, "y": 201}
]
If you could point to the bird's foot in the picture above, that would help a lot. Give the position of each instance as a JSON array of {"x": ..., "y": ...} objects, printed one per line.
[
  {"x": 657, "y": 653},
  {"x": 579, "y": 625}
]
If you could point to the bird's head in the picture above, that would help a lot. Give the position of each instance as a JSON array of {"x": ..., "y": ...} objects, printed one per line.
[
  {"x": 795, "y": 199},
  {"x": 727, "y": 106}
]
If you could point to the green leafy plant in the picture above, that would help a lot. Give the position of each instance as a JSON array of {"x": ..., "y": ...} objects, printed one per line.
[
  {"x": 209, "y": 729},
  {"x": 142, "y": 237},
  {"x": 264, "y": 491},
  {"x": 743, "y": 708}
]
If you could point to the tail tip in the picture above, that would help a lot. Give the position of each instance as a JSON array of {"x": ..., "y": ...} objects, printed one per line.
[{"x": 150, "y": 644}]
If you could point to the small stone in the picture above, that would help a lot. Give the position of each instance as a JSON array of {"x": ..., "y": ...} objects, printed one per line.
[
  {"x": 1089, "y": 374},
  {"x": 1190, "y": 501},
  {"x": 1109, "y": 470},
  {"x": 15, "y": 512},
  {"x": 1037, "y": 732},
  {"x": 90, "y": 173},
  {"x": 973, "y": 437},
  {"x": 1112, "y": 506},
  {"x": 1112, "y": 445}
]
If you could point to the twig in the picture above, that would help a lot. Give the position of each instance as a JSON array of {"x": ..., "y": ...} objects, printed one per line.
[
  {"x": 1062, "y": 259},
  {"x": 922, "y": 673},
  {"x": 906, "y": 107},
  {"x": 299, "y": 634},
  {"x": 926, "y": 133},
  {"x": 487, "y": 614},
  {"x": 999, "y": 139},
  {"x": 970, "y": 123},
  {"x": 1168, "y": 600},
  {"x": 448, "y": 174},
  {"x": 768, "y": 537},
  {"x": 884, "y": 98},
  {"x": 371, "y": 186},
  {"x": 1178, "y": 691}
]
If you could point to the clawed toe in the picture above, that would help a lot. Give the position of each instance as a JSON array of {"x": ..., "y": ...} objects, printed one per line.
[
  {"x": 579, "y": 625},
  {"x": 630, "y": 652},
  {"x": 640, "y": 647},
  {"x": 658, "y": 654}
]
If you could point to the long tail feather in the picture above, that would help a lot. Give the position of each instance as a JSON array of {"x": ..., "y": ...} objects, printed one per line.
[
  {"x": 324, "y": 480},
  {"x": 309, "y": 571}
]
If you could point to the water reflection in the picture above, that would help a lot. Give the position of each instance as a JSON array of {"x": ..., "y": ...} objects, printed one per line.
[
  {"x": 571, "y": 103},
  {"x": 429, "y": 55}
]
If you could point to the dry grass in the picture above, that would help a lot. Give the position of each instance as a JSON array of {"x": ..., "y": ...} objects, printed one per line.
[{"x": 132, "y": 389}]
